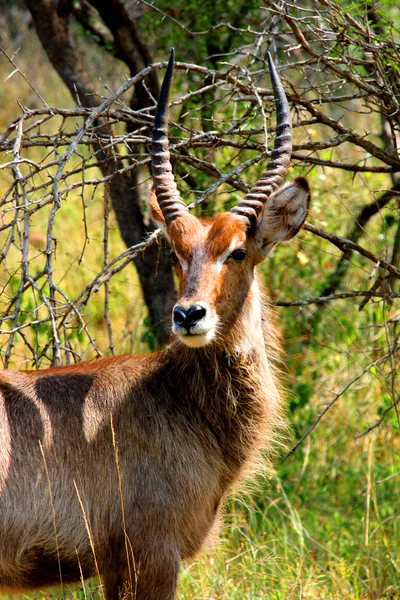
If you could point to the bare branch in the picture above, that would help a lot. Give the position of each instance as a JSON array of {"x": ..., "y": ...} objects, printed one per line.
[
  {"x": 345, "y": 244},
  {"x": 338, "y": 395}
]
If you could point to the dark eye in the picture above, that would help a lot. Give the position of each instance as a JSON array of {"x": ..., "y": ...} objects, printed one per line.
[{"x": 238, "y": 254}]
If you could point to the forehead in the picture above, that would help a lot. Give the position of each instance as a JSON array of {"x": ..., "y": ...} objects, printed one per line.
[{"x": 213, "y": 235}]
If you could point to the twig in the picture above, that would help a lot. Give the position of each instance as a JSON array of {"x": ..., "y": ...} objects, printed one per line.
[
  {"x": 380, "y": 420},
  {"x": 336, "y": 397},
  {"x": 339, "y": 296},
  {"x": 344, "y": 244}
]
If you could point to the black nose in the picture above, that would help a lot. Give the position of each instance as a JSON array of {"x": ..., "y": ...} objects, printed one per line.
[
  {"x": 188, "y": 317},
  {"x": 179, "y": 315}
]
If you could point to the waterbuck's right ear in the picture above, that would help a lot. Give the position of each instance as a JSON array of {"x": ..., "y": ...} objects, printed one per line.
[
  {"x": 156, "y": 213},
  {"x": 284, "y": 215}
]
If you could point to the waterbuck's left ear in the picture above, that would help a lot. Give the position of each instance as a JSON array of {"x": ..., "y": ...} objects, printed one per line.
[{"x": 284, "y": 214}]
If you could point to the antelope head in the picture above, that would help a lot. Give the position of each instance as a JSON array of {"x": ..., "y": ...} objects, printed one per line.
[{"x": 215, "y": 258}]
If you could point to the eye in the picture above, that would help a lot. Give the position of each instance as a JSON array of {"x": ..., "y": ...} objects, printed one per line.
[{"x": 238, "y": 254}]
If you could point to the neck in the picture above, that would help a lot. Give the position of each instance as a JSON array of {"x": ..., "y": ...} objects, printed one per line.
[
  {"x": 248, "y": 333},
  {"x": 232, "y": 383},
  {"x": 254, "y": 335}
]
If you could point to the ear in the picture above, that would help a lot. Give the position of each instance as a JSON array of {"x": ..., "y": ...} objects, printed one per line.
[
  {"x": 156, "y": 214},
  {"x": 283, "y": 215}
]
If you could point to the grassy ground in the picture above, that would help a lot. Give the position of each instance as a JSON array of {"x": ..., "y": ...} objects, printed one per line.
[{"x": 326, "y": 524}]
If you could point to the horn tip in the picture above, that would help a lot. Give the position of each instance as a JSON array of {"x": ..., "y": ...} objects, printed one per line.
[{"x": 171, "y": 57}]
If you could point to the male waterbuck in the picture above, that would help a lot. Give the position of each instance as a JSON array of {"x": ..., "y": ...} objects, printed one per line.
[{"x": 118, "y": 467}]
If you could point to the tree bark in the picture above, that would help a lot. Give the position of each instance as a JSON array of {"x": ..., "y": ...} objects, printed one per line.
[
  {"x": 54, "y": 25},
  {"x": 129, "y": 46}
]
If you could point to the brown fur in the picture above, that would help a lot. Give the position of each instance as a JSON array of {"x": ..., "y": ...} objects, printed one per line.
[{"x": 118, "y": 467}]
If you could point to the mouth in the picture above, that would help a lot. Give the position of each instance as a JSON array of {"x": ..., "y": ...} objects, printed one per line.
[
  {"x": 196, "y": 340},
  {"x": 195, "y": 326}
]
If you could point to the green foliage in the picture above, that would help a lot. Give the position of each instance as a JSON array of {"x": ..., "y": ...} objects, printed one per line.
[
  {"x": 302, "y": 393},
  {"x": 149, "y": 337},
  {"x": 217, "y": 40}
]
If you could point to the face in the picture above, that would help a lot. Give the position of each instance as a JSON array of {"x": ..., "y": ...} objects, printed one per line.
[
  {"x": 215, "y": 259},
  {"x": 214, "y": 269}
]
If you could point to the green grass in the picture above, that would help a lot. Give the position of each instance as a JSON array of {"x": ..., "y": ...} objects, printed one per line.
[{"x": 325, "y": 526}]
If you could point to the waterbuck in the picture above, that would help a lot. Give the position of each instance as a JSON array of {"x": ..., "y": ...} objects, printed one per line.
[{"x": 118, "y": 467}]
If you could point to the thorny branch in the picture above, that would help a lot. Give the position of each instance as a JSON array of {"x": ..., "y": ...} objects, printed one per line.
[
  {"x": 339, "y": 394},
  {"x": 52, "y": 154}
]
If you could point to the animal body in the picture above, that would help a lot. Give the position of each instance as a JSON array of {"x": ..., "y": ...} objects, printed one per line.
[{"x": 118, "y": 467}]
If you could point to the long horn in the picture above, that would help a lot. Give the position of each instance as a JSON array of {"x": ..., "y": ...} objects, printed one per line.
[
  {"x": 168, "y": 197},
  {"x": 253, "y": 203}
]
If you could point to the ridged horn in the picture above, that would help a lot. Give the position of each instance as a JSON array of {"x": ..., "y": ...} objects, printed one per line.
[
  {"x": 253, "y": 203},
  {"x": 168, "y": 197}
]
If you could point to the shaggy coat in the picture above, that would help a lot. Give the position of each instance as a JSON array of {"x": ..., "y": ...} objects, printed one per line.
[{"x": 118, "y": 467}]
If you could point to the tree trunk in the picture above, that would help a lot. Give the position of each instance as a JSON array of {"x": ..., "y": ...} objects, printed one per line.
[{"x": 53, "y": 22}]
